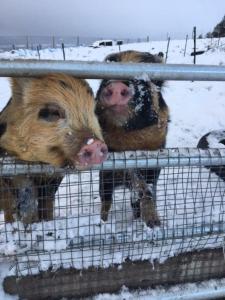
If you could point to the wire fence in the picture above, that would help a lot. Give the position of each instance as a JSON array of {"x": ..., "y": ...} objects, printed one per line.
[
  {"x": 39, "y": 43},
  {"x": 32, "y": 42},
  {"x": 59, "y": 226}
]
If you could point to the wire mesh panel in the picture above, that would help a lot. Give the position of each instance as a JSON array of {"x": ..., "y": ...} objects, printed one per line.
[{"x": 119, "y": 214}]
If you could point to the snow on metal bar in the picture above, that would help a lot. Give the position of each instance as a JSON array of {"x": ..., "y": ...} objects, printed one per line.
[
  {"x": 128, "y": 160},
  {"x": 98, "y": 70}
]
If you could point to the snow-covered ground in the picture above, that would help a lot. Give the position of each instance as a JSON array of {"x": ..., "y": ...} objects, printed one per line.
[{"x": 195, "y": 109}]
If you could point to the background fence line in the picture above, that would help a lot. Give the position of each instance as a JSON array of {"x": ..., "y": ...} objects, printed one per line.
[
  {"x": 12, "y": 43},
  {"x": 31, "y": 42},
  {"x": 8, "y": 43}
]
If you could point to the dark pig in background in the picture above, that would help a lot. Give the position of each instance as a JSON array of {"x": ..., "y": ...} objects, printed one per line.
[
  {"x": 50, "y": 119},
  {"x": 133, "y": 116},
  {"x": 214, "y": 139}
]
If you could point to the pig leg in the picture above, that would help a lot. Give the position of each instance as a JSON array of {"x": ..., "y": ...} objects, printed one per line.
[
  {"x": 47, "y": 188},
  {"x": 145, "y": 205},
  {"x": 7, "y": 202},
  {"x": 106, "y": 187},
  {"x": 143, "y": 201},
  {"x": 45, "y": 207},
  {"x": 26, "y": 199},
  {"x": 19, "y": 198},
  {"x": 109, "y": 180}
]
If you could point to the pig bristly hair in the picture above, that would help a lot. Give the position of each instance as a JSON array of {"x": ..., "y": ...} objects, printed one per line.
[{"x": 50, "y": 119}]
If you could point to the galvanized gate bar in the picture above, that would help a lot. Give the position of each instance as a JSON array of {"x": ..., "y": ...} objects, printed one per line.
[
  {"x": 98, "y": 70},
  {"x": 176, "y": 157}
]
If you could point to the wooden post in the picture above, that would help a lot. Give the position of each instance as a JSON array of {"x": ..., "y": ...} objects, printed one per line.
[
  {"x": 218, "y": 41},
  {"x": 78, "y": 41},
  {"x": 194, "y": 38},
  {"x": 185, "y": 47},
  {"x": 63, "y": 50},
  {"x": 38, "y": 51},
  {"x": 27, "y": 40},
  {"x": 53, "y": 42},
  {"x": 183, "y": 268},
  {"x": 167, "y": 48}
]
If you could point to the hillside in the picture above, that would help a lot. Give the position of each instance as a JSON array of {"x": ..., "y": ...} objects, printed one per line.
[{"x": 219, "y": 30}]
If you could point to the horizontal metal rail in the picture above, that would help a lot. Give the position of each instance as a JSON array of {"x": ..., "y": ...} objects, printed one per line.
[
  {"x": 199, "y": 293},
  {"x": 177, "y": 157},
  {"x": 98, "y": 70}
]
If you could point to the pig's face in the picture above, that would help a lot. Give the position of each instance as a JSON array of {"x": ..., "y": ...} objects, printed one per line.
[
  {"x": 129, "y": 104},
  {"x": 114, "y": 98},
  {"x": 51, "y": 119}
]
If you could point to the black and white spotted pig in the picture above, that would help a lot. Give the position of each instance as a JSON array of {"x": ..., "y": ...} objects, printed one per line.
[{"x": 214, "y": 139}]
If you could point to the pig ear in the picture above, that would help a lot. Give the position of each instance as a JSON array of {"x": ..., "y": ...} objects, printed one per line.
[
  {"x": 161, "y": 55},
  {"x": 114, "y": 57},
  {"x": 19, "y": 85},
  {"x": 147, "y": 57}
]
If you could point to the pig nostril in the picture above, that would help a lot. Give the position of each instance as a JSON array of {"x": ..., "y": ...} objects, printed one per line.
[
  {"x": 124, "y": 93},
  {"x": 103, "y": 151},
  {"x": 108, "y": 93},
  {"x": 87, "y": 154}
]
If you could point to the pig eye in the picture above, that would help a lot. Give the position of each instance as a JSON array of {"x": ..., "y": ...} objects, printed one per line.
[{"x": 51, "y": 113}]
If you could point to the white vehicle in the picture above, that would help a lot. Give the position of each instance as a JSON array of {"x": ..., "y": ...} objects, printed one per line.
[{"x": 101, "y": 43}]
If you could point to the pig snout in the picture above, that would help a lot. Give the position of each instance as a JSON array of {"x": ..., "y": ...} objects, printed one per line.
[
  {"x": 94, "y": 152},
  {"x": 116, "y": 94}
]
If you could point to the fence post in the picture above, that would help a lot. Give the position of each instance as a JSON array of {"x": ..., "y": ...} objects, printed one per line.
[
  {"x": 167, "y": 48},
  {"x": 27, "y": 40},
  {"x": 38, "y": 51},
  {"x": 53, "y": 42},
  {"x": 63, "y": 50},
  {"x": 185, "y": 47},
  {"x": 78, "y": 41},
  {"x": 194, "y": 38},
  {"x": 218, "y": 41}
]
